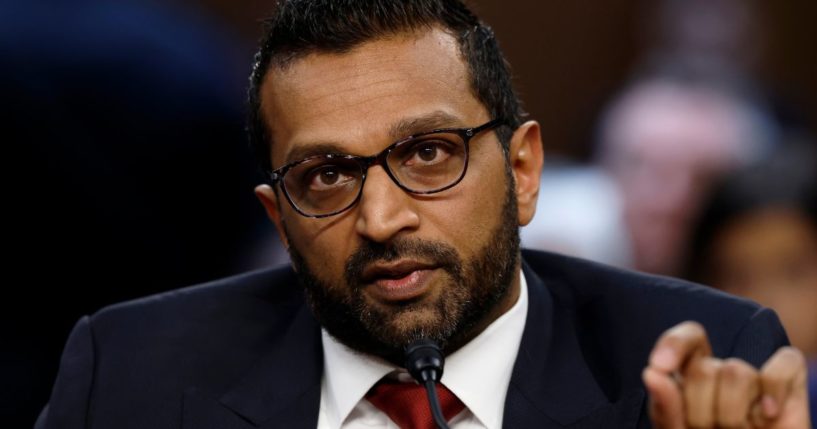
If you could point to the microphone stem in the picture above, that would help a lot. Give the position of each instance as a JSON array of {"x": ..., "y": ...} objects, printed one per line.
[{"x": 434, "y": 402}]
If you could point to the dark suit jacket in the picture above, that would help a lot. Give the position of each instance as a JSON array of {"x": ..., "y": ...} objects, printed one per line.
[{"x": 245, "y": 352}]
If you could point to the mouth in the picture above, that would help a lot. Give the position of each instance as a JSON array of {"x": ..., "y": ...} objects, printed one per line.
[{"x": 398, "y": 282}]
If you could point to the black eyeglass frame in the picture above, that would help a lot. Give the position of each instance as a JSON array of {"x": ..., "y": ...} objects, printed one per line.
[{"x": 365, "y": 162}]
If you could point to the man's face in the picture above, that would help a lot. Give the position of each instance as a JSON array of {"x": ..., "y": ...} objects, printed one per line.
[{"x": 396, "y": 266}]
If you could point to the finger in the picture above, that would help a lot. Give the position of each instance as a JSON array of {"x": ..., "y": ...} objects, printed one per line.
[
  {"x": 738, "y": 391},
  {"x": 666, "y": 403},
  {"x": 756, "y": 415},
  {"x": 700, "y": 381},
  {"x": 678, "y": 345},
  {"x": 783, "y": 375}
]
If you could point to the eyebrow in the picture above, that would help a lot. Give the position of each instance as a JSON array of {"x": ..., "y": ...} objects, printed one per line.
[
  {"x": 399, "y": 130},
  {"x": 312, "y": 149},
  {"x": 428, "y": 122}
]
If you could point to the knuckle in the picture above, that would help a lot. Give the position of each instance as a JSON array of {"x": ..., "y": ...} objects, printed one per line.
[
  {"x": 691, "y": 328},
  {"x": 735, "y": 370},
  {"x": 693, "y": 325},
  {"x": 707, "y": 368},
  {"x": 670, "y": 338}
]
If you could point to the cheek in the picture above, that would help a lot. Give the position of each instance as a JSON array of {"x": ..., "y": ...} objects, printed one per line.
[
  {"x": 325, "y": 244},
  {"x": 471, "y": 213}
]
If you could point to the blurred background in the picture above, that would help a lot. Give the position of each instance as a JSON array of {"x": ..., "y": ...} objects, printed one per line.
[{"x": 679, "y": 137}]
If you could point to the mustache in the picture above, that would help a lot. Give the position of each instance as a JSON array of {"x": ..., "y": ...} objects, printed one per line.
[{"x": 433, "y": 252}]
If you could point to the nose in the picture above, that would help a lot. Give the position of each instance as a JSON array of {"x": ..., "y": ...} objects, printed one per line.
[{"x": 384, "y": 209}]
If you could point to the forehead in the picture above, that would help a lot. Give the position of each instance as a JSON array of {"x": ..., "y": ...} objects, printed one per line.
[{"x": 355, "y": 100}]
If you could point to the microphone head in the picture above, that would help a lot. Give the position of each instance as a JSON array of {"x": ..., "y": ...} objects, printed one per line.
[{"x": 424, "y": 360}]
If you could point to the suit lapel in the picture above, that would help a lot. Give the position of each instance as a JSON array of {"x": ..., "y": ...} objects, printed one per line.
[
  {"x": 551, "y": 385},
  {"x": 281, "y": 390}
]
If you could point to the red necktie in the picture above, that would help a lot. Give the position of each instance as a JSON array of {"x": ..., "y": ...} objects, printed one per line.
[{"x": 407, "y": 404}]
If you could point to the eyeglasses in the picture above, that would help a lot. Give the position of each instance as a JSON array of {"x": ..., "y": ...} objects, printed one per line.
[{"x": 326, "y": 185}]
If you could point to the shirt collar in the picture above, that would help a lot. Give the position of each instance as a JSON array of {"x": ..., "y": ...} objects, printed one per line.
[
  {"x": 347, "y": 376},
  {"x": 478, "y": 373}
]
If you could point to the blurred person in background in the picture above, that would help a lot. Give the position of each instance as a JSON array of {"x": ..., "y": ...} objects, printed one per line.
[
  {"x": 757, "y": 238},
  {"x": 664, "y": 141},
  {"x": 690, "y": 114}
]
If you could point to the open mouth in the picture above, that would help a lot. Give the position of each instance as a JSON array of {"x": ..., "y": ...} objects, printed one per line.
[{"x": 401, "y": 281}]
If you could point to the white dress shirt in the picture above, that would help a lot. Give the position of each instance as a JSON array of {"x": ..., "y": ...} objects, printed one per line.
[{"x": 478, "y": 373}]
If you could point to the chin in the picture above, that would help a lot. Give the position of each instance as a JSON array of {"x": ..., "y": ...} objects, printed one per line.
[{"x": 406, "y": 326}]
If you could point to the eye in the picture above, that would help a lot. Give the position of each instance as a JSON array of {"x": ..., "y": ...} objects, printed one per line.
[
  {"x": 327, "y": 177},
  {"x": 428, "y": 152}
]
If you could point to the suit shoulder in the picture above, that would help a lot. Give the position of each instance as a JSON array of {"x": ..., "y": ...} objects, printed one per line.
[
  {"x": 225, "y": 323},
  {"x": 636, "y": 308},
  {"x": 249, "y": 303},
  {"x": 144, "y": 353},
  {"x": 271, "y": 284},
  {"x": 575, "y": 281}
]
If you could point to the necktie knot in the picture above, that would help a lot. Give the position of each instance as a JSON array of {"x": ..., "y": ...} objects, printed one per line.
[{"x": 407, "y": 405}]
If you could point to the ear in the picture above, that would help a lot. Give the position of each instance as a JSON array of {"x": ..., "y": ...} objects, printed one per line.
[
  {"x": 526, "y": 158},
  {"x": 269, "y": 199}
]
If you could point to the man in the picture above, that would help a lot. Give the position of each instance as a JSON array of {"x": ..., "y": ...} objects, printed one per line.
[{"x": 368, "y": 115}]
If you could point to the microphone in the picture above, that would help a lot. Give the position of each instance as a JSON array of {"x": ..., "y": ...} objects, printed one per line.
[{"x": 425, "y": 361}]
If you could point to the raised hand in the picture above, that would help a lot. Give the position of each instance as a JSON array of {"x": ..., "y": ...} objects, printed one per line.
[{"x": 689, "y": 388}]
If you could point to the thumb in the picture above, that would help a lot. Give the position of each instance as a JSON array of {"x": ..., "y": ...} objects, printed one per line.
[{"x": 784, "y": 390}]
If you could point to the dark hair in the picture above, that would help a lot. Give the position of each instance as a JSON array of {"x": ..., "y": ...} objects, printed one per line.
[
  {"x": 301, "y": 27},
  {"x": 787, "y": 179}
]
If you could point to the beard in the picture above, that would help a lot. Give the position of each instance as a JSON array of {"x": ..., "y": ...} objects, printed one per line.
[{"x": 472, "y": 292}]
